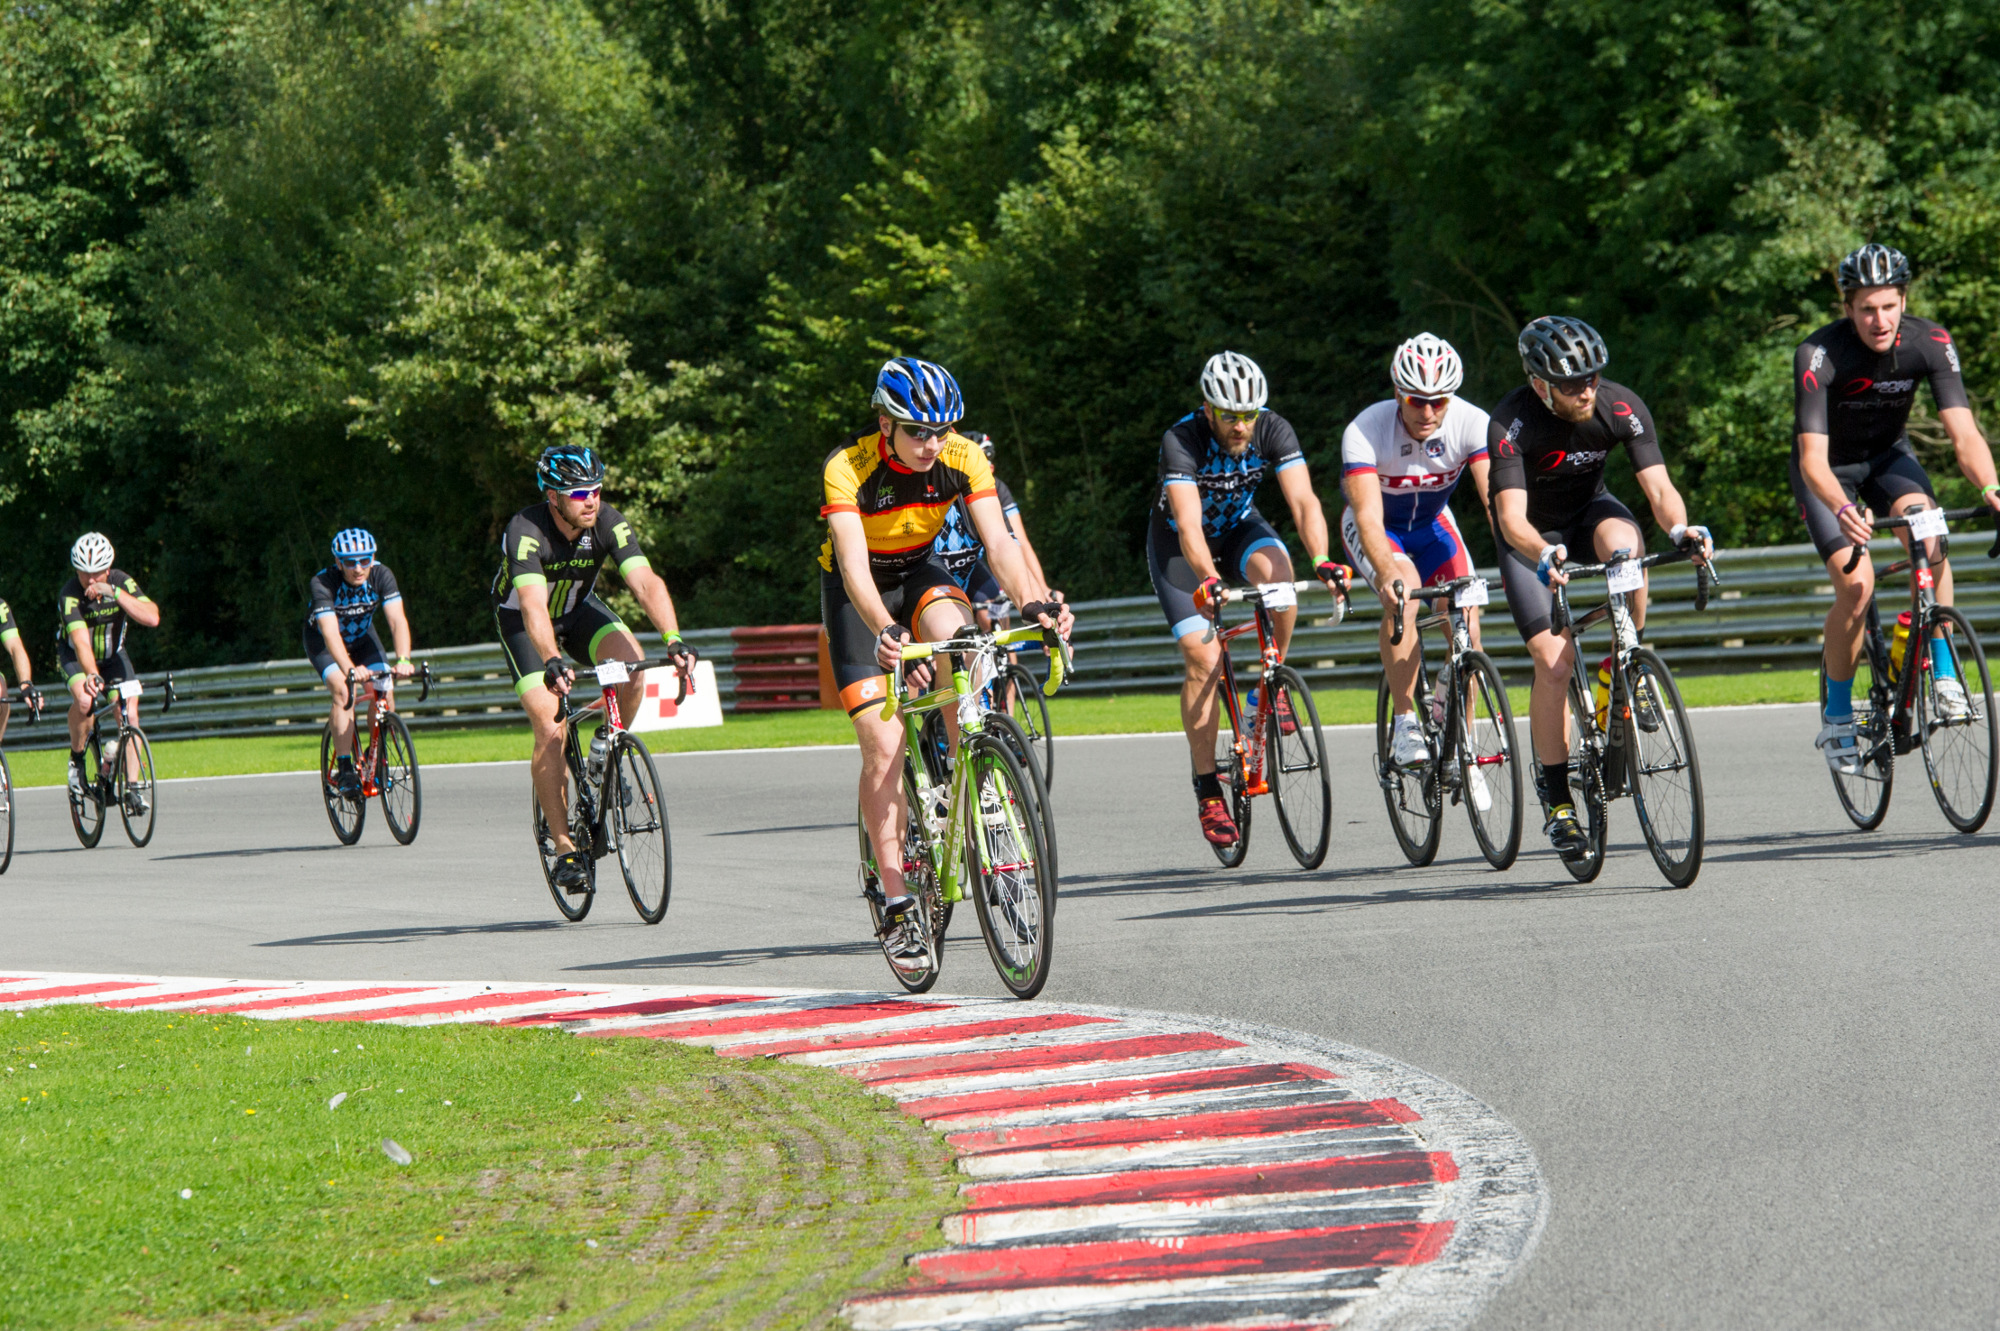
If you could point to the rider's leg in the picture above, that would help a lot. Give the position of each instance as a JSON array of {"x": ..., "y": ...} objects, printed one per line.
[
  {"x": 1614, "y": 534},
  {"x": 1940, "y": 645},
  {"x": 79, "y": 714},
  {"x": 1271, "y": 563},
  {"x": 340, "y": 721},
  {"x": 616, "y": 643},
  {"x": 130, "y": 706},
  {"x": 1846, "y": 623},
  {"x": 1399, "y": 659},
  {"x": 882, "y": 809},
  {"x": 547, "y": 767},
  {"x": 938, "y": 617},
  {"x": 1202, "y": 655}
]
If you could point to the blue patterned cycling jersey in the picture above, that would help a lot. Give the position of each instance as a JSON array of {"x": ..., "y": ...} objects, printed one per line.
[
  {"x": 1190, "y": 454},
  {"x": 958, "y": 543},
  {"x": 353, "y": 608}
]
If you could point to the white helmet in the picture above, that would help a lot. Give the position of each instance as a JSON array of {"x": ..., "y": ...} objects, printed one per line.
[
  {"x": 1233, "y": 382},
  {"x": 1426, "y": 366},
  {"x": 91, "y": 553}
]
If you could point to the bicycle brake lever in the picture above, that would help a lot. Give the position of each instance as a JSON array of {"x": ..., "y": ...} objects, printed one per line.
[
  {"x": 1703, "y": 579},
  {"x": 1396, "y": 627},
  {"x": 1559, "y": 612},
  {"x": 1854, "y": 555},
  {"x": 1994, "y": 553},
  {"x": 424, "y": 677}
]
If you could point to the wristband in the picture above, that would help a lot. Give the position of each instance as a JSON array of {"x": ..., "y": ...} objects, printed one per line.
[
  {"x": 1988, "y": 490},
  {"x": 1844, "y": 507},
  {"x": 402, "y": 660},
  {"x": 672, "y": 635},
  {"x": 1542, "y": 560}
]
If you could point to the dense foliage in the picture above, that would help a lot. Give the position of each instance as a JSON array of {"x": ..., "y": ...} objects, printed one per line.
[{"x": 270, "y": 268}]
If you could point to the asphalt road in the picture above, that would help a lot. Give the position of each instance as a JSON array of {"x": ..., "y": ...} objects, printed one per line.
[{"x": 1765, "y": 1101}]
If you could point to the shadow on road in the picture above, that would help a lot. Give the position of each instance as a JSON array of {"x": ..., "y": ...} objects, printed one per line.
[
  {"x": 1839, "y": 844},
  {"x": 748, "y": 956},
  {"x": 415, "y": 933},
  {"x": 253, "y": 850},
  {"x": 802, "y": 827}
]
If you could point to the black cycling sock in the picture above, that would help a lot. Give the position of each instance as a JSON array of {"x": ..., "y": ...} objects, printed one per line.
[
  {"x": 76, "y": 757},
  {"x": 1207, "y": 786},
  {"x": 1554, "y": 782}
]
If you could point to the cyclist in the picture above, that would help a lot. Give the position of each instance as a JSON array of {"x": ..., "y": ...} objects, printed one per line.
[
  {"x": 24, "y": 673},
  {"x": 1854, "y": 383},
  {"x": 96, "y": 605},
  {"x": 545, "y": 604},
  {"x": 339, "y": 635},
  {"x": 1206, "y": 521},
  {"x": 1400, "y": 460},
  {"x": 886, "y": 496},
  {"x": 1549, "y": 440},
  {"x": 964, "y": 554}
]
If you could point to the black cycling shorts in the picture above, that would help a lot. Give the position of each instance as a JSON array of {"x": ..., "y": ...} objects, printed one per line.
[
  {"x": 578, "y": 634},
  {"x": 1532, "y": 603},
  {"x": 851, "y": 643},
  {"x": 984, "y": 589},
  {"x": 1876, "y": 483},
  {"x": 367, "y": 654},
  {"x": 1174, "y": 579},
  {"x": 113, "y": 669}
]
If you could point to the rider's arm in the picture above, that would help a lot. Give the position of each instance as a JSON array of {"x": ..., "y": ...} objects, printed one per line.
[
  {"x": 1818, "y": 473},
  {"x": 1975, "y": 458},
  {"x": 79, "y": 641},
  {"x": 24, "y": 673},
  {"x": 1296, "y": 485},
  {"x": 1034, "y": 561},
  {"x": 1002, "y": 555},
  {"x": 399, "y": 627},
  {"x": 336, "y": 646},
  {"x": 1481, "y": 468},
  {"x": 1511, "y": 508},
  {"x": 1184, "y": 505},
  {"x": 138, "y": 607},
  {"x": 650, "y": 590},
  {"x": 1364, "y": 496},
  {"x": 850, "y": 556},
  {"x": 1669, "y": 510}
]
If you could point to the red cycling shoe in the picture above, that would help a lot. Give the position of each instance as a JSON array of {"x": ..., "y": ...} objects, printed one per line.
[{"x": 1216, "y": 824}]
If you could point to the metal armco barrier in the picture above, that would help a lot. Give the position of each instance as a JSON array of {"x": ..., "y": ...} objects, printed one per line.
[{"x": 1768, "y": 612}]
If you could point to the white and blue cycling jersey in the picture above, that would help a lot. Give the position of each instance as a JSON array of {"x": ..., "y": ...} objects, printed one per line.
[
  {"x": 1190, "y": 454},
  {"x": 353, "y": 608},
  {"x": 1417, "y": 476},
  {"x": 958, "y": 544}
]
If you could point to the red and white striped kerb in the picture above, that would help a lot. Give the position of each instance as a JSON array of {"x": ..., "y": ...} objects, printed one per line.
[{"x": 1125, "y": 1170}]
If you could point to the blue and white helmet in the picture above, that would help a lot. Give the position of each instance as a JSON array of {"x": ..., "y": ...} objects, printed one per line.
[
  {"x": 918, "y": 392},
  {"x": 353, "y": 543}
]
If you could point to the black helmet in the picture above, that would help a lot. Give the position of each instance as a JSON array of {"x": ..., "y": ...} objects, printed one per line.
[
  {"x": 1556, "y": 347},
  {"x": 985, "y": 442},
  {"x": 569, "y": 467},
  {"x": 1874, "y": 266}
]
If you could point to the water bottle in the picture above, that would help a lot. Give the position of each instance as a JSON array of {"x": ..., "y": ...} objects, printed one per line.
[
  {"x": 1603, "y": 694},
  {"x": 600, "y": 744}
]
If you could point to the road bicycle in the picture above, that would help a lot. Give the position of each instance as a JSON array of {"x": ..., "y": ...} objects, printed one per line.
[
  {"x": 1642, "y": 745},
  {"x": 1279, "y": 750},
  {"x": 1030, "y": 709},
  {"x": 614, "y": 801},
  {"x": 118, "y": 770},
  {"x": 386, "y": 767},
  {"x": 936, "y": 747},
  {"x": 32, "y": 696},
  {"x": 1468, "y": 728},
  {"x": 977, "y": 831},
  {"x": 1896, "y": 707}
]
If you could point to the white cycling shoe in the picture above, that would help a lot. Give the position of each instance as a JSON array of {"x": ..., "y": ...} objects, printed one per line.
[
  {"x": 1407, "y": 747},
  {"x": 1475, "y": 786},
  {"x": 1951, "y": 701},
  {"x": 1836, "y": 741}
]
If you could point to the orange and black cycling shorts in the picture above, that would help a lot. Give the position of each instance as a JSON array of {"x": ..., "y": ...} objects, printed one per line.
[{"x": 851, "y": 643}]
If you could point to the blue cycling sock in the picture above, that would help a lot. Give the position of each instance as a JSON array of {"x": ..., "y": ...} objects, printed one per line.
[
  {"x": 1840, "y": 700},
  {"x": 1941, "y": 662}
]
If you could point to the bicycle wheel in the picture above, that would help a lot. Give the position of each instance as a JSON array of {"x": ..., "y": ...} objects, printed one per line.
[
  {"x": 1489, "y": 769},
  {"x": 578, "y": 906},
  {"x": 7, "y": 811},
  {"x": 1008, "y": 868},
  {"x": 400, "y": 783},
  {"x": 1031, "y": 712},
  {"x": 1958, "y": 754},
  {"x": 1414, "y": 797},
  {"x": 916, "y": 974},
  {"x": 1232, "y": 854},
  {"x": 1586, "y": 781},
  {"x": 635, "y": 814},
  {"x": 132, "y": 784},
  {"x": 1018, "y": 743},
  {"x": 1865, "y": 795},
  {"x": 345, "y": 812},
  {"x": 1299, "y": 777},
  {"x": 86, "y": 808},
  {"x": 1665, "y": 770}
]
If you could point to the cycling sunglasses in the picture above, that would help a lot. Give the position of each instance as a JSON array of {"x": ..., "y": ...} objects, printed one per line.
[
  {"x": 1233, "y": 417},
  {"x": 1416, "y": 401},
  {"x": 923, "y": 434},
  {"x": 364, "y": 561},
  {"x": 1573, "y": 387},
  {"x": 588, "y": 492}
]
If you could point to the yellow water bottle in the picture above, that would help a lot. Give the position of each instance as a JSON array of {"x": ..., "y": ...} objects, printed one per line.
[
  {"x": 1603, "y": 694},
  {"x": 1899, "y": 646}
]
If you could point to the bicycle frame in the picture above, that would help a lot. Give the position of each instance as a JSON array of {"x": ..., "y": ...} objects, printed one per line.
[
  {"x": 1458, "y": 643},
  {"x": 1625, "y": 633},
  {"x": 1249, "y": 753},
  {"x": 381, "y": 688},
  {"x": 567, "y": 716}
]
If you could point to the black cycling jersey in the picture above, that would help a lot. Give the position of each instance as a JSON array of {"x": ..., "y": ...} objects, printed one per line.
[
  {"x": 1861, "y": 399},
  {"x": 1190, "y": 454},
  {"x": 104, "y": 617},
  {"x": 352, "y": 607},
  {"x": 1560, "y": 465},
  {"x": 9, "y": 630},
  {"x": 536, "y": 558}
]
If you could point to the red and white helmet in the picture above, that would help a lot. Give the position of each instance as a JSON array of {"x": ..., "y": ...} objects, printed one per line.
[{"x": 1426, "y": 366}]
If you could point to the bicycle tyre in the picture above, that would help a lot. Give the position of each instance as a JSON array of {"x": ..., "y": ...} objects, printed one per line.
[
  {"x": 916, "y": 978},
  {"x": 1010, "y": 732},
  {"x": 1676, "y": 841},
  {"x": 1007, "y": 867},
  {"x": 86, "y": 809},
  {"x": 1591, "y": 805},
  {"x": 1414, "y": 798},
  {"x": 579, "y": 831},
  {"x": 7, "y": 811},
  {"x": 1300, "y": 784},
  {"x": 1031, "y": 713},
  {"x": 124, "y": 787},
  {"x": 1486, "y": 706},
  {"x": 1865, "y": 796},
  {"x": 635, "y": 817},
  {"x": 346, "y": 814},
  {"x": 1954, "y": 750},
  {"x": 399, "y": 784},
  {"x": 1232, "y": 854}
]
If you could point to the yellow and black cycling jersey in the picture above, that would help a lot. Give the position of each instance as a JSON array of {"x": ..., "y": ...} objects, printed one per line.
[{"x": 901, "y": 510}]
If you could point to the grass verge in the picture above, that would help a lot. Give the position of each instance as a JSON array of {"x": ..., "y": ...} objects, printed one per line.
[
  {"x": 174, "y": 1171},
  {"x": 1082, "y": 714}
]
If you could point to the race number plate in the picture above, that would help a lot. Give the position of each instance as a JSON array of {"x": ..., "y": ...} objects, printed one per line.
[
  {"x": 130, "y": 688},
  {"x": 1626, "y": 577},
  {"x": 1927, "y": 524},
  {"x": 613, "y": 672},
  {"x": 1277, "y": 595},
  {"x": 1472, "y": 593}
]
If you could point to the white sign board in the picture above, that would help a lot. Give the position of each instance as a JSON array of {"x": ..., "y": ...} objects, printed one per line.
[{"x": 656, "y": 709}]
